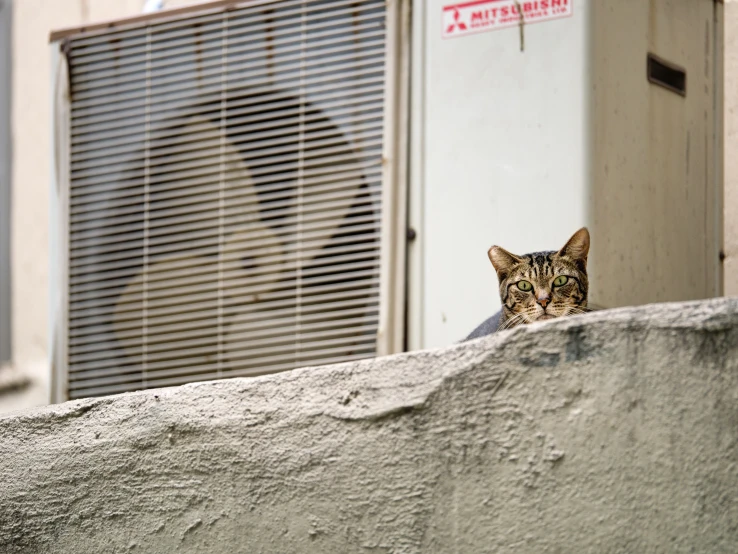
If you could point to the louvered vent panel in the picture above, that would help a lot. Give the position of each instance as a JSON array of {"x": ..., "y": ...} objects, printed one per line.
[{"x": 225, "y": 194}]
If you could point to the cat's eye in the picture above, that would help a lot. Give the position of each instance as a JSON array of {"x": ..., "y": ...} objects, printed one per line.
[
  {"x": 525, "y": 286},
  {"x": 561, "y": 280}
]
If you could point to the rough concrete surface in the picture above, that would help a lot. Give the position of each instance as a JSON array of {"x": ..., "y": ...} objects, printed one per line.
[{"x": 611, "y": 432}]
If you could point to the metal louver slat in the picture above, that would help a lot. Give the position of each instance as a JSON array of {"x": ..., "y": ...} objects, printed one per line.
[
  {"x": 194, "y": 328},
  {"x": 202, "y": 148},
  {"x": 265, "y": 165},
  {"x": 232, "y": 260},
  {"x": 256, "y": 285},
  {"x": 226, "y": 194},
  {"x": 172, "y": 89},
  {"x": 170, "y": 114},
  {"x": 233, "y": 288},
  {"x": 84, "y": 139},
  {"x": 252, "y": 328},
  {"x": 178, "y": 92},
  {"x": 318, "y": 225},
  {"x": 202, "y": 135},
  {"x": 208, "y": 36},
  {"x": 168, "y": 286},
  {"x": 127, "y": 209},
  {"x": 241, "y": 202},
  {"x": 98, "y": 84},
  {"x": 164, "y": 224},
  {"x": 292, "y": 60},
  {"x": 95, "y": 262},
  {"x": 135, "y": 283},
  {"x": 124, "y": 113},
  {"x": 260, "y": 175},
  {"x": 154, "y": 346},
  {"x": 131, "y": 195},
  {"x": 176, "y": 33}
]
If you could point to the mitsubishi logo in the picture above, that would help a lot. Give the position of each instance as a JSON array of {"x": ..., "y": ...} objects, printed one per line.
[{"x": 456, "y": 24}]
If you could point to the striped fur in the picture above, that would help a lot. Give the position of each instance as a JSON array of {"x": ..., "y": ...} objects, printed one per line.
[{"x": 538, "y": 272}]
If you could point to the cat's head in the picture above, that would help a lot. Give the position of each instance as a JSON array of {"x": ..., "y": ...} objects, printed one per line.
[{"x": 543, "y": 285}]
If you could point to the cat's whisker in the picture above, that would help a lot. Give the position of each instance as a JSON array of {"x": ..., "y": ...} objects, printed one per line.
[
  {"x": 514, "y": 320},
  {"x": 509, "y": 323},
  {"x": 575, "y": 310}
]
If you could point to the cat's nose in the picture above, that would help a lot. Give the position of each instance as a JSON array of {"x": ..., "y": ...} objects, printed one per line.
[{"x": 544, "y": 300}]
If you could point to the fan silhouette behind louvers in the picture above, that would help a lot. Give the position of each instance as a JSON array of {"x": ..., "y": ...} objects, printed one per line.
[{"x": 225, "y": 185}]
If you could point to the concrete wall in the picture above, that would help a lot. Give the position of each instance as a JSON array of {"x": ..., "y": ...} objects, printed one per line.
[{"x": 613, "y": 432}]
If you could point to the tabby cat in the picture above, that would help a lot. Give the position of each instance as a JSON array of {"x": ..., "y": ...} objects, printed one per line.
[{"x": 539, "y": 286}]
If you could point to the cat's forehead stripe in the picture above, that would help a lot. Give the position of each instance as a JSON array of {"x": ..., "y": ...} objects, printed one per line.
[{"x": 539, "y": 264}]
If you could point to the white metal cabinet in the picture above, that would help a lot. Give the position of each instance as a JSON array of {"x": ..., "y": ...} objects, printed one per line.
[{"x": 519, "y": 142}]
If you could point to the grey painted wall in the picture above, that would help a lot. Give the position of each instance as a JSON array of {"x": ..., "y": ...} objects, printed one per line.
[
  {"x": 5, "y": 157},
  {"x": 612, "y": 432}
]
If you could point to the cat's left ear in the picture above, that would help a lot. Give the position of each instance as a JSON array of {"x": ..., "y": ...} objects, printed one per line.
[{"x": 577, "y": 248}]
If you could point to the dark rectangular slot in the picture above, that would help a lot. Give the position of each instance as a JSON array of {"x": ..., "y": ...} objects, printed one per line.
[{"x": 667, "y": 75}]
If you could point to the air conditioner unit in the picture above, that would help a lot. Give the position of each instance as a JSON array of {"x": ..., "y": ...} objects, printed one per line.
[
  {"x": 229, "y": 192},
  {"x": 232, "y": 194}
]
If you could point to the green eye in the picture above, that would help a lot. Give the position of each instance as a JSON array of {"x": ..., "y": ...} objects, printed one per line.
[
  {"x": 525, "y": 286},
  {"x": 561, "y": 280}
]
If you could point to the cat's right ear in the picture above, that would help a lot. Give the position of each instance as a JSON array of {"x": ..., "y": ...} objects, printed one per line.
[
  {"x": 503, "y": 261},
  {"x": 577, "y": 248}
]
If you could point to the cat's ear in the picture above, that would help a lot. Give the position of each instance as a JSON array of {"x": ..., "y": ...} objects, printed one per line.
[
  {"x": 577, "y": 248},
  {"x": 502, "y": 261}
]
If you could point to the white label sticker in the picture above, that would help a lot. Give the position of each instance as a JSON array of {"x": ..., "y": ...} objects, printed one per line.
[{"x": 489, "y": 15}]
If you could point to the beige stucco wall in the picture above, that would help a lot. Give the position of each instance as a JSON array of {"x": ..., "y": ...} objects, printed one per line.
[
  {"x": 730, "y": 147},
  {"x": 31, "y": 121},
  {"x": 611, "y": 432}
]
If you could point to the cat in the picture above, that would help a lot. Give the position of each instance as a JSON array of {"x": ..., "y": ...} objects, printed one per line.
[{"x": 539, "y": 286}]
